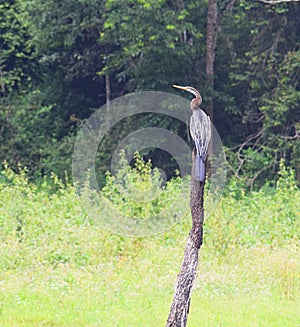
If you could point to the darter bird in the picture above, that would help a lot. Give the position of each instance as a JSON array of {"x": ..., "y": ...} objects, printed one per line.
[{"x": 200, "y": 129}]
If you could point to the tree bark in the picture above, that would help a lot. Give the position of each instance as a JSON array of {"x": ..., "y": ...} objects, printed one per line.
[
  {"x": 182, "y": 297},
  {"x": 211, "y": 36},
  {"x": 107, "y": 91}
]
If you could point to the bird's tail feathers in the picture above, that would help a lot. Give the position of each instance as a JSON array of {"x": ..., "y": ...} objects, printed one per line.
[{"x": 199, "y": 168}]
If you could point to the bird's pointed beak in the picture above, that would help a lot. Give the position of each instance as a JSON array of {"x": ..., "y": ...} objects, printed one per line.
[{"x": 180, "y": 87}]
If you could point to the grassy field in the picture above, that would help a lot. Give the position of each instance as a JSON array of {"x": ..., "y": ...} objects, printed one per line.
[{"x": 59, "y": 269}]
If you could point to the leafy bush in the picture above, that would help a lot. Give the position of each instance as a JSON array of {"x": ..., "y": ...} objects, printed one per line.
[
  {"x": 137, "y": 201},
  {"x": 268, "y": 216},
  {"x": 41, "y": 226}
]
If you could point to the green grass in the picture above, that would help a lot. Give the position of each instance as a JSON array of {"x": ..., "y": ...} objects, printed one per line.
[
  {"x": 254, "y": 287},
  {"x": 59, "y": 269}
]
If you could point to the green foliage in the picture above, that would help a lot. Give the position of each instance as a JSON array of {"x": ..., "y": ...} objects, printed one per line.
[
  {"x": 32, "y": 214},
  {"x": 58, "y": 268},
  {"x": 15, "y": 51},
  {"x": 64, "y": 35},
  {"x": 65, "y": 39},
  {"x": 138, "y": 192},
  {"x": 30, "y": 139},
  {"x": 145, "y": 45},
  {"x": 136, "y": 200},
  {"x": 268, "y": 216},
  {"x": 58, "y": 42},
  {"x": 263, "y": 82},
  {"x": 54, "y": 57},
  {"x": 146, "y": 42}
]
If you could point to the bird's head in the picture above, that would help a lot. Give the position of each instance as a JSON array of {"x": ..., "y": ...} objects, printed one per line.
[{"x": 189, "y": 89}]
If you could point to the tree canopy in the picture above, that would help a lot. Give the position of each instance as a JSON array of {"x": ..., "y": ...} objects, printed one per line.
[{"x": 60, "y": 61}]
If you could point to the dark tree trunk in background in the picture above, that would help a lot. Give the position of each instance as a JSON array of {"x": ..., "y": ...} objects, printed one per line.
[
  {"x": 108, "y": 91},
  {"x": 211, "y": 35},
  {"x": 182, "y": 297}
]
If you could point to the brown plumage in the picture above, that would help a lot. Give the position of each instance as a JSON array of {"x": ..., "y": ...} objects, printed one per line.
[{"x": 200, "y": 130}]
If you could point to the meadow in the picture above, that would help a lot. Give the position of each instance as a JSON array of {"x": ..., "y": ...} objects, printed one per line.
[{"x": 59, "y": 268}]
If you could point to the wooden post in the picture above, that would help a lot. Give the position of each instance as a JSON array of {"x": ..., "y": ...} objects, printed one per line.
[{"x": 182, "y": 297}]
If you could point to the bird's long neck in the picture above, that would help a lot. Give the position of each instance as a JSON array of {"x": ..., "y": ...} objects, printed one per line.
[{"x": 196, "y": 103}]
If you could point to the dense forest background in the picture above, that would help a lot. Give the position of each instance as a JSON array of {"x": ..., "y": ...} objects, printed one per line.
[
  {"x": 67, "y": 260},
  {"x": 61, "y": 61}
]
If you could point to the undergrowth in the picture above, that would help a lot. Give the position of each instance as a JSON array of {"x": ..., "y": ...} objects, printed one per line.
[{"x": 54, "y": 256}]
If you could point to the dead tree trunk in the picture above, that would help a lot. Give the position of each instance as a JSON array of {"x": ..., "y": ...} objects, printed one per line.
[{"x": 182, "y": 297}]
